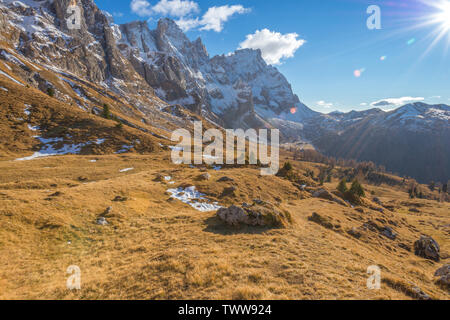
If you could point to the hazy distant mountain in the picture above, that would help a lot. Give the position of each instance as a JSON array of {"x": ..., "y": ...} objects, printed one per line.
[{"x": 412, "y": 140}]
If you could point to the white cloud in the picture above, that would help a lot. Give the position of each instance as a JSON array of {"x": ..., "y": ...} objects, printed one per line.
[
  {"x": 324, "y": 104},
  {"x": 363, "y": 104},
  {"x": 273, "y": 45},
  {"x": 396, "y": 101},
  {"x": 213, "y": 19},
  {"x": 174, "y": 8}
]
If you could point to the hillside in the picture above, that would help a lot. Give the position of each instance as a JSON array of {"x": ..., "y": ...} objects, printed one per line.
[{"x": 87, "y": 179}]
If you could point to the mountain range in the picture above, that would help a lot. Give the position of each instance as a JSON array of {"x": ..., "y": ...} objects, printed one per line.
[{"x": 161, "y": 79}]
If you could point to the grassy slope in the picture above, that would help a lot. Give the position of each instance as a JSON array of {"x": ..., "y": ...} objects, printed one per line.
[{"x": 157, "y": 249}]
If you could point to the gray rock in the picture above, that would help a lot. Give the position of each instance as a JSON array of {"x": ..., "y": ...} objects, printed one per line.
[
  {"x": 225, "y": 179},
  {"x": 426, "y": 247},
  {"x": 354, "y": 232},
  {"x": 389, "y": 233},
  {"x": 102, "y": 221},
  {"x": 204, "y": 177},
  {"x": 444, "y": 274},
  {"x": 256, "y": 216}
]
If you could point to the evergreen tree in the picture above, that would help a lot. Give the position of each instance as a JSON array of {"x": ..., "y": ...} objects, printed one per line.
[
  {"x": 342, "y": 187},
  {"x": 357, "y": 189},
  {"x": 106, "y": 112}
]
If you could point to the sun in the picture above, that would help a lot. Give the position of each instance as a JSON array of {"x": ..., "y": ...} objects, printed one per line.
[{"x": 442, "y": 17}]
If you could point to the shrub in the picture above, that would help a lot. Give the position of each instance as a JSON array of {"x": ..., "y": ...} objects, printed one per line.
[
  {"x": 106, "y": 112},
  {"x": 357, "y": 189},
  {"x": 342, "y": 187},
  {"x": 51, "y": 92}
]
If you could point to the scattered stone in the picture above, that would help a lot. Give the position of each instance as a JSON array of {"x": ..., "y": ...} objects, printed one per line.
[
  {"x": 359, "y": 209},
  {"x": 102, "y": 221},
  {"x": 229, "y": 192},
  {"x": 389, "y": 233},
  {"x": 354, "y": 232},
  {"x": 225, "y": 179},
  {"x": 419, "y": 294},
  {"x": 414, "y": 210},
  {"x": 56, "y": 194},
  {"x": 259, "y": 202},
  {"x": 426, "y": 247},
  {"x": 204, "y": 177},
  {"x": 82, "y": 179},
  {"x": 323, "y": 221},
  {"x": 377, "y": 201},
  {"x": 120, "y": 199},
  {"x": 255, "y": 215},
  {"x": 444, "y": 275}
]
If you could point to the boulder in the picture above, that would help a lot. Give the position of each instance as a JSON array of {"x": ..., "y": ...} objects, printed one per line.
[
  {"x": 255, "y": 215},
  {"x": 204, "y": 177},
  {"x": 426, "y": 247},
  {"x": 444, "y": 275}
]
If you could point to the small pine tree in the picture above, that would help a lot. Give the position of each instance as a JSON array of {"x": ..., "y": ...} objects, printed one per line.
[
  {"x": 357, "y": 189},
  {"x": 106, "y": 112},
  {"x": 51, "y": 92},
  {"x": 287, "y": 166},
  {"x": 342, "y": 187}
]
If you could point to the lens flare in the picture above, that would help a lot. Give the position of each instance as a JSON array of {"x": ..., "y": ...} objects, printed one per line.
[
  {"x": 294, "y": 110},
  {"x": 358, "y": 73}
]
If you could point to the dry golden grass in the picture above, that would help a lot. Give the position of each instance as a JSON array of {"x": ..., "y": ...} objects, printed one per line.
[
  {"x": 154, "y": 248},
  {"x": 160, "y": 249}
]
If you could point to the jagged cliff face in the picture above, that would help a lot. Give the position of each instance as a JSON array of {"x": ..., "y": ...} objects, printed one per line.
[
  {"x": 240, "y": 88},
  {"x": 39, "y": 30}
]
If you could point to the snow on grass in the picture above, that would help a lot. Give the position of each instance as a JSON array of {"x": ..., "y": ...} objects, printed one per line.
[
  {"x": 4, "y": 89},
  {"x": 126, "y": 170},
  {"x": 125, "y": 148},
  {"x": 167, "y": 178},
  {"x": 49, "y": 148},
  {"x": 11, "y": 78},
  {"x": 27, "y": 109},
  {"x": 33, "y": 128},
  {"x": 191, "y": 196}
]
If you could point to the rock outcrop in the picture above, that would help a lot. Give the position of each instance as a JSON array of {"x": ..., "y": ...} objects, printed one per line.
[{"x": 426, "y": 247}]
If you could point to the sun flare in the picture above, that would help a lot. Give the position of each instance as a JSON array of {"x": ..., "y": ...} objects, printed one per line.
[{"x": 443, "y": 17}]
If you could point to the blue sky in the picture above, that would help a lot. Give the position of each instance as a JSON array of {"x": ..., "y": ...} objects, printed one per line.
[{"x": 318, "y": 45}]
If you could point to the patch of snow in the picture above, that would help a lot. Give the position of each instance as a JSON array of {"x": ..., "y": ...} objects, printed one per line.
[
  {"x": 191, "y": 196},
  {"x": 11, "y": 78},
  {"x": 125, "y": 148},
  {"x": 27, "y": 109},
  {"x": 126, "y": 170},
  {"x": 4, "y": 89}
]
